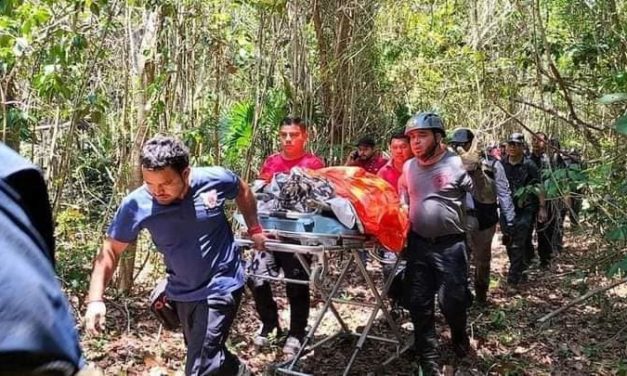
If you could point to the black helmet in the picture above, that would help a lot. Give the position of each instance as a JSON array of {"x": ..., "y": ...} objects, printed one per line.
[
  {"x": 462, "y": 136},
  {"x": 425, "y": 120},
  {"x": 516, "y": 138}
]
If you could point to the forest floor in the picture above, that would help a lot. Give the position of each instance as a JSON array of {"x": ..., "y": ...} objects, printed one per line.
[{"x": 589, "y": 338}]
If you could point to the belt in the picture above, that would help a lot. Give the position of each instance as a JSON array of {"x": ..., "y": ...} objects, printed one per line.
[{"x": 441, "y": 239}]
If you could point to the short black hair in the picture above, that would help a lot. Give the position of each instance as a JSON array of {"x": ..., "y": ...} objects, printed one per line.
[
  {"x": 366, "y": 141},
  {"x": 541, "y": 135},
  {"x": 399, "y": 135},
  {"x": 161, "y": 152},
  {"x": 294, "y": 120}
]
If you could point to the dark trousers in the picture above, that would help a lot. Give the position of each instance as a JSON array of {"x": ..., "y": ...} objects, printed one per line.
[
  {"x": 297, "y": 295},
  {"x": 437, "y": 266},
  {"x": 206, "y": 325},
  {"x": 551, "y": 234},
  {"x": 518, "y": 247}
]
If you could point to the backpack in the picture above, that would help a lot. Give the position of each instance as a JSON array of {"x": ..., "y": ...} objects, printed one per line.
[
  {"x": 485, "y": 187},
  {"x": 485, "y": 200},
  {"x": 164, "y": 309}
]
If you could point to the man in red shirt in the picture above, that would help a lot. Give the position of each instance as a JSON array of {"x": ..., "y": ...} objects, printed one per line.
[
  {"x": 366, "y": 156},
  {"x": 401, "y": 152},
  {"x": 391, "y": 172},
  {"x": 293, "y": 136}
]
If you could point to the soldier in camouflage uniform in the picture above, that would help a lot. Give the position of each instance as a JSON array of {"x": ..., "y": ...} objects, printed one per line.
[{"x": 487, "y": 197}]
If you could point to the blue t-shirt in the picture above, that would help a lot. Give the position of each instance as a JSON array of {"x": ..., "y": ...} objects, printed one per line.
[
  {"x": 194, "y": 234},
  {"x": 36, "y": 320}
]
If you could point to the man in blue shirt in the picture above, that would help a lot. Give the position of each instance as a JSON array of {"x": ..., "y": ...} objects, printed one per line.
[
  {"x": 37, "y": 333},
  {"x": 183, "y": 209}
]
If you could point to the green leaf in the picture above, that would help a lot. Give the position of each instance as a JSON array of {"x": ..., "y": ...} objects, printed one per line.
[
  {"x": 613, "y": 98},
  {"x": 617, "y": 234},
  {"x": 621, "y": 125},
  {"x": 620, "y": 266}
]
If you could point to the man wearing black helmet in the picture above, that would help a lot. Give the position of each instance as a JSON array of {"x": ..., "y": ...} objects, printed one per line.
[
  {"x": 434, "y": 184},
  {"x": 523, "y": 177},
  {"x": 486, "y": 199}
]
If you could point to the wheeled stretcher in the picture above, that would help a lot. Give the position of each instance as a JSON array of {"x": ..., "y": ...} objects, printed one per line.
[{"x": 316, "y": 239}]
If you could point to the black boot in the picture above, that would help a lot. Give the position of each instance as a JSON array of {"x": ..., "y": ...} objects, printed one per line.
[{"x": 461, "y": 345}]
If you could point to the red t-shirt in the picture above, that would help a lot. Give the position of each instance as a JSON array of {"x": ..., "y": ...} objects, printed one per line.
[
  {"x": 372, "y": 165},
  {"x": 275, "y": 164},
  {"x": 390, "y": 174}
]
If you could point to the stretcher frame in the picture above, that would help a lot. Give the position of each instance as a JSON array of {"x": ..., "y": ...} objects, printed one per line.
[{"x": 317, "y": 271}]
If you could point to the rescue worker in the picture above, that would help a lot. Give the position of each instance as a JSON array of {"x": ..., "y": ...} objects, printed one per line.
[
  {"x": 293, "y": 136},
  {"x": 435, "y": 184},
  {"x": 486, "y": 201},
  {"x": 183, "y": 209},
  {"x": 391, "y": 172},
  {"x": 366, "y": 156},
  {"x": 539, "y": 157},
  {"x": 28, "y": 182},
  {"x": 551, "y": 232},
  {"x": 37, "y": 327},
  {"x": 400, "y": 152},
  {"x": 524, "y": 181}
]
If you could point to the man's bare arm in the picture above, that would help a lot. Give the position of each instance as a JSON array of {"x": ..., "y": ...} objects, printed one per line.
[
  {"x": 247, "y": 205},
  {"x": 104, "y": 265}
]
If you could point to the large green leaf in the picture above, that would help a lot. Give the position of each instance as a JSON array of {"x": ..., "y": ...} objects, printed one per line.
[
  {"x": 621, "y": 125},
  {"x": 620, "y": 266},
  {"x": 613, "y": 98}
]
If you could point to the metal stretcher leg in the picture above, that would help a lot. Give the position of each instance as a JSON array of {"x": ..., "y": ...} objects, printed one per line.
[
  {"x": 380, "y": 305},
  {"x": 327, "y": 304},
  {"x": 322, "y": 290}
]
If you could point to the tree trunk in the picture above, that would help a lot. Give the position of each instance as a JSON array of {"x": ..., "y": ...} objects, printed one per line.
[
  {"x": 144, "y": 72},
  {"x": 10, "y": 132}
]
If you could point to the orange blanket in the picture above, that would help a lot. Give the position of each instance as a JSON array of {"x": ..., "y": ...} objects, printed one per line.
[{"x": 375, "y": 201}]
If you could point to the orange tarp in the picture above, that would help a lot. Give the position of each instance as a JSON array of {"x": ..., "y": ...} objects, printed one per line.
[{"x": 375, "y": 201}]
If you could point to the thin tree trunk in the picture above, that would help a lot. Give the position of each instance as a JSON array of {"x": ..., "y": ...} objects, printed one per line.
[{"x": 144, "y": 77}]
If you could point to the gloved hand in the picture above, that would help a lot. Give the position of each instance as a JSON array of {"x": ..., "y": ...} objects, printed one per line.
[
  {"x": 95, "y": 317},
  {"x": 471, "y": 159}
]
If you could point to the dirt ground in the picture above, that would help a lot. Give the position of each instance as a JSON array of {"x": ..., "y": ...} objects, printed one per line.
[{"x": 589, "y": 338}]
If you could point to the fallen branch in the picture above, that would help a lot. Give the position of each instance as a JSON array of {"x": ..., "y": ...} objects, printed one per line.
[
  {"x": 614, "y": 337},
  {"x": 581, "y": 299}
]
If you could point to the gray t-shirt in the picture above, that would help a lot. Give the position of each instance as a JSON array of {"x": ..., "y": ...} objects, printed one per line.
[{"x": 436, "y": 195}]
